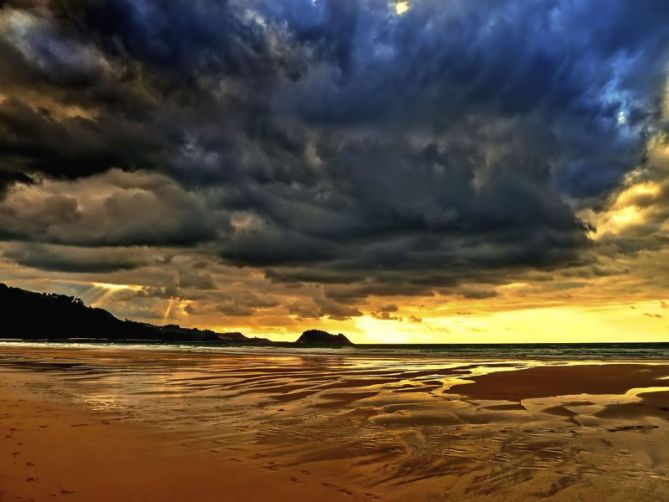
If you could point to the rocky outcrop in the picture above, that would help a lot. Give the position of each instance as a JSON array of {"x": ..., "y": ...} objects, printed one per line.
[{"x": 318, "y": 338}]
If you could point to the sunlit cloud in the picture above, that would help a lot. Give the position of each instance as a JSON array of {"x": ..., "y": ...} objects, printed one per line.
[
  {"x": 116, "y": 287},
  {"x": 630, "y": 208}
]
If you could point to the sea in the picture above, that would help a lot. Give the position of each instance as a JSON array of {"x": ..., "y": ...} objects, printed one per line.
[{"x": 506, "y": 351}]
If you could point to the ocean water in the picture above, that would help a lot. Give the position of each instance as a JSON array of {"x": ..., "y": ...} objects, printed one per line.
[
  {"x": 570, "y": 351},
  {"x": 536, "y": 351}
]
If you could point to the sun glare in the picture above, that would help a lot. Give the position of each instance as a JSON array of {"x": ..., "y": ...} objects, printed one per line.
[
  {"x": 115, "y": 287},
  {"x": 401, "y": 7}
]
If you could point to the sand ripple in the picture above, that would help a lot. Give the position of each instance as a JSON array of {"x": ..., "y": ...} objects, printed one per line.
[{"x": 396, "y": 426}]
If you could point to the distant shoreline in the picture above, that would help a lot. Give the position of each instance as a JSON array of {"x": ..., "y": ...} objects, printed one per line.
[{"x": 607, "y": 352}]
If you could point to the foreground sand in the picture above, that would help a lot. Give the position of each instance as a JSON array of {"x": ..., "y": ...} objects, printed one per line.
[{"x": 141, "y": 425}]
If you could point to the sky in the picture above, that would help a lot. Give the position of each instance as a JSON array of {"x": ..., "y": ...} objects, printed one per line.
[{"x": 422, "y": 171}]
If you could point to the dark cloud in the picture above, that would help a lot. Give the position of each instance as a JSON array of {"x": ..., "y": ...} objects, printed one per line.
[
  {"x": 113, "y": 208},
  {"x": 234, "y": 309},
  {"x": 654, "y": 316},
  {"x": 387, "y": 313},
  {"x": 196, "y": 279},
  {"x": 34, "y": 141},
  {"x": 244, "y": 303},
  {"x": 323, "y": 307},
  {"x": 478, "y": 294},
  {"x": 76, "y": 259},
  {"x": 330, "y": 142}
]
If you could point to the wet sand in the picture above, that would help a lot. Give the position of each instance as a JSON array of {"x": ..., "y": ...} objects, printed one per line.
[{"x": 125, "y": 424}]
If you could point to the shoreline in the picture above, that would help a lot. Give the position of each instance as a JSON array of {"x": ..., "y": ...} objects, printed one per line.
[{"x": 401, "y": 351}]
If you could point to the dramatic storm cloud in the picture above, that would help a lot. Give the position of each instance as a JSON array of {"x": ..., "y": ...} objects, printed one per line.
[{"x": 309, "y": 159}]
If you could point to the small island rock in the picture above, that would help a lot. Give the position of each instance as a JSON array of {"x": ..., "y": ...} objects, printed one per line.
[{"x": 316, "y": 337}]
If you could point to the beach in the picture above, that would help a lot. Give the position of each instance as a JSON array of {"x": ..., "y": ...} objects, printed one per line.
[{"x": 106, "y": 423}]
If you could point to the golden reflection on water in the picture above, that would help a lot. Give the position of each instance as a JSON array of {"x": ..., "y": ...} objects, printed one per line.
[{"x": 397, "y": 419}]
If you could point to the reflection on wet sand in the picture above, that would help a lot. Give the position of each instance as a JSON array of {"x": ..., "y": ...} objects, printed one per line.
[{"x": 404, "y": 428}]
